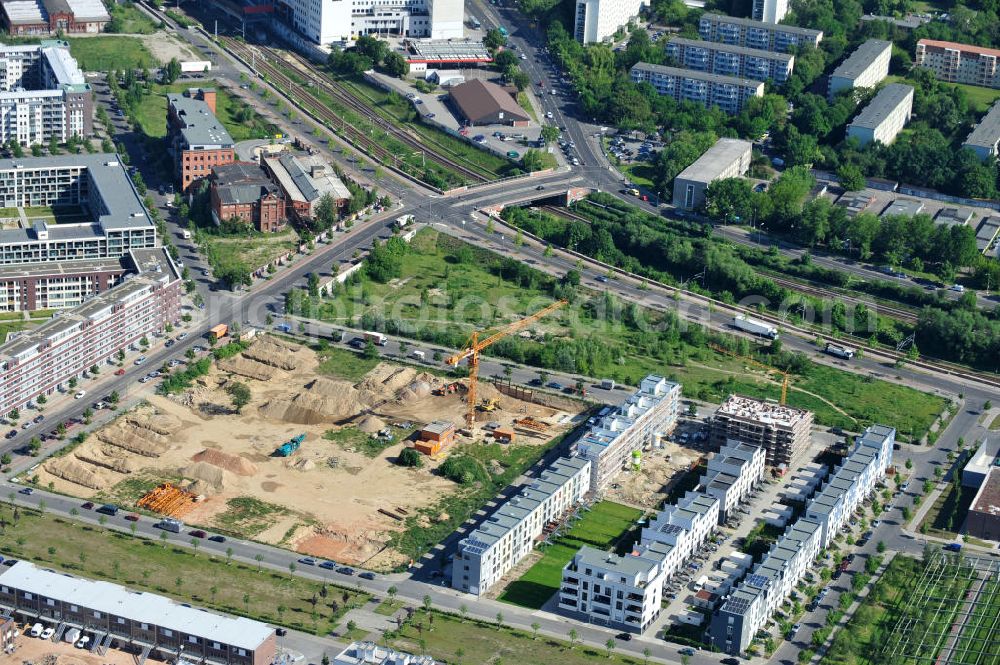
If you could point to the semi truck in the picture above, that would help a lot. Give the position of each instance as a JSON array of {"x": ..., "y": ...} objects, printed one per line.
[
  {"x": 844, "y": 352},
  {"x": 608, "y": 384},
  {"x": 378, "y": 339},
  {"x": 195, "y": 66},
  {"x": 170, "y": 524},
  {"x": 755, "y": 327}
]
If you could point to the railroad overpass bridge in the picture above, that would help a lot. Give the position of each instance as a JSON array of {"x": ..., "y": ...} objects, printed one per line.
[{"x": 554, "y": 197}]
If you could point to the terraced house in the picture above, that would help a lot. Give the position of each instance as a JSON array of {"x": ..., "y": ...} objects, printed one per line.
[{"x": 143, "y": 623}]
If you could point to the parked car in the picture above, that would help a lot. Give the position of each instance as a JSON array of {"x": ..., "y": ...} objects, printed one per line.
[
  {"x": 624, "y": 637},
  {"x": 82, "y": 642},
  {"x": 36, "y": 630},
  {"x": 367, "y": 576},
  {"x": 27, "y": 491},
  {"x": 345, "y": 570},
  {"x": 48, "y": 633},
  {"x": 11, "y": 434},
  {"x": 120, "y": 372},
  {"x": 89, "y": 505},
  {"x": 307, "y": 561},
  {"x": 328, "y": 565},
  {"x": 81, "y": 394},
  {"x": 198, "y": 533}
]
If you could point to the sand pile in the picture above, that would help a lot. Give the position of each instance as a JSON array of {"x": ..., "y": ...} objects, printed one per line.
[
  {"x": 418, "y": 389},
  {"x": 371, "y": 424},
  {"x": 330, "y": 387},
  {"x": 269, "y": 352},
  {"x": 75, "y": 471},
  {"x": 160, "y": 423},
  {"x": 134, "y": 439},
  {"x": 248, "y": 368},
  {"x": 236, "y": 464},
  {"x": 333, "y": 400},
  {"x": 213, "y": 477},
  {"x": 109, "y": 457},
  {"x": 385, "y": 378}
]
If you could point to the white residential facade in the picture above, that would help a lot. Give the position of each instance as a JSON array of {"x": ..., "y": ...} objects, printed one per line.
[
  {"x": 729, "y": 93},
  {"x": 729, "y": 60},
  {"x": 885, "y": 116},
  {"x": 598, "y": 20},
  {"x": 326, "y": 22},
  {"x": 756, "y": 34},
  {"x": 732, "y": 474},
  {"x": 649, "y": 412},
  {"x": 727, "y": 158},
  {"x": 509, "y": 534},
  {"x": 769, "y": 11},
  {"x": 865, "y": 68},
  {"x": 621, "y": 592},
  {"x": 682, "y": 528},
  {"x": 984, "y": 139}
]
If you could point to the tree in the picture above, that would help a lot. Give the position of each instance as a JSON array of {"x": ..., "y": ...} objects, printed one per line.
[
  {"x": 370, "y": 351},
  {"x": 499, "y": 618},
  {"x": 410, "y": 457},
  {"x": 396, "y": 65},
  {"x": 535, "y": 626},
  {"x": 494, "y": 39},
  {"x": 573, "y": 635},
  {"x": 729, "y": 200},
  {"x": 428, "y": 602},
  {"x": 326, "y": 213},
  {"x": 851, "y": 178},
  {"x": 609, "y": 646},
  {"x": 550, "y": 134},
  {"x": 172, "y": 71}
]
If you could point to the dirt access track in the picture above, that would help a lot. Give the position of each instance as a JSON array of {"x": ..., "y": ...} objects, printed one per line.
[{"x": 325, "y": 499}]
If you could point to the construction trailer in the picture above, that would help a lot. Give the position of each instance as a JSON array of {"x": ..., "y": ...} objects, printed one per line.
[
  {"x": 217, "y": 332},
  {"x": 434, "y": 436},
  {"x": 504, "y": 435}
]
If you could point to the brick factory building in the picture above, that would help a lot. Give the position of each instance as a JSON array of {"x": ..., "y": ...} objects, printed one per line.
[
  {"x": 242, "y": 190},
  {"x": 198, "y": 140}
]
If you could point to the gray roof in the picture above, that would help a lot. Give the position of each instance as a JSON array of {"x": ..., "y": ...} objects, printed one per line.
[
  {"x": 92, "y": 10},
  {"x": 884, "y": 103},
  {"x": 730, "y": 48},
  {"x": 306, "y": 177},
  {"x": 199, "y": 127},
  {"x": 677, "y": 72},
  {"x": 715, "y": 160},
  {"x": 242, "y": 182},
  {"x": 987, "y": 132},
  {"x": 122, "y": 209},
  {"x": 750, "y": 23},
  {"x": 61, "y": 268},
  {"x": 907, "y": 207},
  {"x": 136, "y": 605},
  {"x": 25, "y": 12},
  {"x": 641, "y": 561},
  {"x": 861, "y": 59}
]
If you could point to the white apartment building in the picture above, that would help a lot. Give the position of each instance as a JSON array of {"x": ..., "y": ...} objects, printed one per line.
[
  {"x": 598, "y": 20},
  {"x": 885, "y": 116},
  {"x": 865, "y": 68},
  {"x": 959, "y": 63},
  {"x": 728, "y": 158},
  {"x": 43, "y": 360},
  {"x": 984, "y": 139},
  {"x": 680, "y": 529},
  {"x": 621, "y": 592},
  {"x": 756, "y": 34},
  {"x": 729, "y": 93},
  {"x": 750, "y": 606},
  {"x": 43, "y": 95},
  {"x": 769, "y": 11},
  {"x": 508, "y": 535},
  {"x": 326, "y": 22},
  {"x": 649, "y": 412},
  {"x": 730, "y": 60},
  {"x": 732, "y": 474}
]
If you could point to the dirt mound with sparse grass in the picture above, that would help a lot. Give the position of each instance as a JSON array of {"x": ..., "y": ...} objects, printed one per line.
[
  {"x": 134, "y": 439},
  {"x": 109, "y": 457},
  {"x": 236, "y": 464},
  {"x": 371, "y": 424},
  {"x": 314, "y": 407},
  {"x": 274, "y": 353},
  {"x": 213, "y": 477},
  {"x": 75, "y": 471},
  {"x": 159, "y": 423},
  {"x": 248, "y": 368}
]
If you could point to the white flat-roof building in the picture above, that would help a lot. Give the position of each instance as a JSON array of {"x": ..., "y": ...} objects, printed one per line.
[
  {"x": 735, "y": 624},
  {"x": 729, "y": 60},
  {"x": 597, "y": 20},
  {"x": 769, "y": 11},
  {"x": 732, "y": 474},
  {"x": 649, "y": 412},
  {"x": 729, "y": 93},
  {"x": 622, "y": 592},
  {"x": 984, "y": 139},
  {"x": 884, "y": 117},
  {"x": 369, "y": 653},
  {"x": 959, "y": 63},
  {"x": 509, "y": 534},
  {"x": 728, "y": 158},
  {"x": 327, "y": 22},
  {"x": 865, "y": 68},
  {"x": 986, "y": 457},
  {"x": 756, "y": 34},
  {"x": 167, "y": 629},
  {"x": 680, "y": 529}
]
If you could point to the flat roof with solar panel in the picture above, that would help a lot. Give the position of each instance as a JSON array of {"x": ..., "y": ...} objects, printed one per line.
[{"x": 445, "y": 51}]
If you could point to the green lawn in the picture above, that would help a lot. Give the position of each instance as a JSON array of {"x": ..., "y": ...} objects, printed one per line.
[
  {"x": 168, "y": 570},
  {"x": 995, "y": 425},
  {"x": 151, "y": 113},
  {"x": 344, "y": 364},
  {"x": 602, "y": 527},
  {"x": 105, "y": 53},
  {"x": 131, "y": 20},
  {"x": 946, "y": 517},
  {"x": 640, "y": 173},
  {"x": 451, "y": 640},
  {"x": 252, "y": 251},
  {"x": 351, "y": 438},
  {"x": 980, "y": 99},
  {"x": 12, "y": 326},
  {"x": 979, "y": 633}
]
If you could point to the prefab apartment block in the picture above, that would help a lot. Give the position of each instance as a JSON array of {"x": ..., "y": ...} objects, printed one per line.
[
  {"x": 884, "y": 117},
  {"x": 730, "y": 60},
  {"x": 649, "y": 412},
  {"x": 509, "y": 534},
  {"x": 729, "y": 93},
  {"x": 865, "y": 68},
  {"x": 756, "y": 34},
  {"x": 140, "y": 622}
]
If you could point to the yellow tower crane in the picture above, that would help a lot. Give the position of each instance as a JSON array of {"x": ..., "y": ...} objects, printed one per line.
[
  {"x": 785, "y": 376},
  {"x": 475, "y": 345}
]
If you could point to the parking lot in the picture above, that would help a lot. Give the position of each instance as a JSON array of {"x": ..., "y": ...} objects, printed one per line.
[{"x": 28, "y": 649}]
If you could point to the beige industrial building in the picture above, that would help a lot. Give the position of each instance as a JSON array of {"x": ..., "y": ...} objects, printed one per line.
[
  {"x": 865, "y": 68},
  {"x": 728, "y": 158},
  {"x": 781, "y": 430},
  {"x": 884, "y": 117}
]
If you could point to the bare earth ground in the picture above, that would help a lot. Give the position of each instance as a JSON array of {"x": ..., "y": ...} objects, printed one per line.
[
  {"x": 322, "y": 500},
  {"x": 39, "y": 652},
  {"x": 163, "y": 45},
  {"x": 644, "y": 488}
]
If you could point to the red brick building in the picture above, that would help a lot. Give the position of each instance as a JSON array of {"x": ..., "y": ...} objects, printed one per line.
[
  {"x": 242, "y": 190},
  {"x": 47, "y": 17},
  {"x": 199, "y": 142}
]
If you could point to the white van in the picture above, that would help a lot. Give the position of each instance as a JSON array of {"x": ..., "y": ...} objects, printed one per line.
[{"x": 36, "y": 630}]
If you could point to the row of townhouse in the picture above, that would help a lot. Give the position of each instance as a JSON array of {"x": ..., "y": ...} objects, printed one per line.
[
  {"x": 509, "y": 534},
  {"x": 734, "y": 625},
  {"x": 731, "y": 60},
  {"x": 648, "y": 413},
  {"x": 625, "y": 592}
]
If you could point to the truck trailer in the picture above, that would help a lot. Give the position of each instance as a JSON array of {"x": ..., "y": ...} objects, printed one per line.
[
  {"x": 755, "y": 327},
  {"x": 378, "y": 339},
  {"x": 844, "y": 352}
]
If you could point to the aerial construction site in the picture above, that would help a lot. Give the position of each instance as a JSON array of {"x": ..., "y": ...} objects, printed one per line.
[{"x": 310, "y": 462}]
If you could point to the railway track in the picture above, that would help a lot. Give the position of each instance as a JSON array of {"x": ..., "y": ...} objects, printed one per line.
[
  {"x": 267, "y": 61},
  {"x": 904, "y": 315}
]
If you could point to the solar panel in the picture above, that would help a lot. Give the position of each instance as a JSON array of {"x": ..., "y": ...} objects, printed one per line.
[{"x": 758, "y": 581}]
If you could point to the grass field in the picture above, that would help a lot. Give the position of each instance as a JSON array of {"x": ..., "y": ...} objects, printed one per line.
[
  {"x": 102, "y": 54},
  {"x": 351, "y": 438},
  {"x": 979, "y": 632},
  {"x": 995, "y": 425},
  {"x": 187, "y": 576},
  {"x": 639, "y": 173},
  {"x": 252, "y": 251},
  {"x": 448, "y": 288},
  {"x": 344, "y": 364},
  {"x": 602, "y": 527},
  {"x": 131, "y": 21},
  {"x": 946, "y": 517},
  {"x": 980, "y": 99},
  {"x": 241, "y": 124}
]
